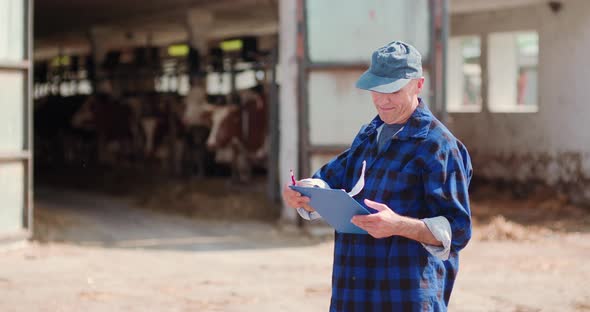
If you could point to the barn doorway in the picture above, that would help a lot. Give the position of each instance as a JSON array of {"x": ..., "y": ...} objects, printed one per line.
[{"x": 112, "y": 99}]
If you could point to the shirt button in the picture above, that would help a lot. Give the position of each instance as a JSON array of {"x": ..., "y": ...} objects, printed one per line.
[
  {"x": 354, "y": 278},
  {"x": 354, "y": 241}
]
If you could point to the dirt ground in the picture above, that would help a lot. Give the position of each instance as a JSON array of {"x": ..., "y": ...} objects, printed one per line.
[{"x": 108, "y": 253}]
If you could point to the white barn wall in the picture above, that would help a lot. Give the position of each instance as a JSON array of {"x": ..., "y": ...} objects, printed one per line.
[
  {"x": 553, "y": 144},
  {"x": 337, "y": 110}
]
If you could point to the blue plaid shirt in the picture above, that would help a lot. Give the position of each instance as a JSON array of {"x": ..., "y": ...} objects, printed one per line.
[{"x": 423, "y": 172}]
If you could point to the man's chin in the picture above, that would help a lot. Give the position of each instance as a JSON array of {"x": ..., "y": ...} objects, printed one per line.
[{"x": 388, "y": 119}]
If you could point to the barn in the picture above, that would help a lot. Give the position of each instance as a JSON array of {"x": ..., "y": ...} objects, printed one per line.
[{"x": 246, "y": 90}]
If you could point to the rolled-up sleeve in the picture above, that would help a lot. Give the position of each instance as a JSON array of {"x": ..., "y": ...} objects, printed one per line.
[
  {"x": 441, "y": 230},
  {"x": 446, "y": 182}
]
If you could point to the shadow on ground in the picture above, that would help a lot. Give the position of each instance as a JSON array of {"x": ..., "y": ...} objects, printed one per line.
[{"x": 117, "y": 222}]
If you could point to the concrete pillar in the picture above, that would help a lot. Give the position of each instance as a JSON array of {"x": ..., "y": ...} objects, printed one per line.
[
  {"x": 288, "y": 126},
  {"x": 99, "y": 37},
  {"x": 199, "y": 24}
]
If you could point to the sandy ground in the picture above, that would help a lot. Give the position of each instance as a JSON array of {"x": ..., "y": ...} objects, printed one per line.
[{"x": 99, "y": 253}]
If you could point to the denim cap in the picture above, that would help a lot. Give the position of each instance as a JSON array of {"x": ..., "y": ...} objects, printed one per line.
[{"x": 392, "y": 67}]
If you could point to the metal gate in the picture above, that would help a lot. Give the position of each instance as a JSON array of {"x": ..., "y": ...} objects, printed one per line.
[{"x": 15, "y": 120}]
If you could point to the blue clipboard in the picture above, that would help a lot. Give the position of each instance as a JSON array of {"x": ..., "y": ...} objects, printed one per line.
[{"x": 335, "y": 206}]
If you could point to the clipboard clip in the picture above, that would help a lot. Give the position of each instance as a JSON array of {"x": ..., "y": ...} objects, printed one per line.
[{"x": 358, "y": 187}]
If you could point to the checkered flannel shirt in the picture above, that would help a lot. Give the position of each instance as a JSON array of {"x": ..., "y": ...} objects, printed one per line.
[{"x": 423, "y": 172}]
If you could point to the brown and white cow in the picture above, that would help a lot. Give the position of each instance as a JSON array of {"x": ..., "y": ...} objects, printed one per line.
[
  {"x": 197, "y": 110},
  {"x": 244, "y": 129},
  {"x": 163, "y": 130},
  {"x": 197, "y": 121}
]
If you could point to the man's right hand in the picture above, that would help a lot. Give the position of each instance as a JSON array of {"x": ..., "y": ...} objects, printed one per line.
[{"x": 295, "y": 199}]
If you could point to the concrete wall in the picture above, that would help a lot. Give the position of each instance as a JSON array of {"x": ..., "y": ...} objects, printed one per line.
[{"x": 552, "y": 145}]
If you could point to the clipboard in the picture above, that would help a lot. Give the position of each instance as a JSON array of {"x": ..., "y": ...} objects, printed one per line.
[{"x": 335, "y": 206}]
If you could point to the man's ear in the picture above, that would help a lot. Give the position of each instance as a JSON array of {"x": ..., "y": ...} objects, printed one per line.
[{"x": 419, "y": 85}]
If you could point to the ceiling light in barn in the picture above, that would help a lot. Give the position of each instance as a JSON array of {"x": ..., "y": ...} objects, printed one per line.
[
  {"x": 232, "y": 45},
  {"x": 60, "y": 61},
  {"x": 178, "y": 50}
]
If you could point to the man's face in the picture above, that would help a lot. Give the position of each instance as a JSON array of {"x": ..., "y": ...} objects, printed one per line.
[{"x": 397, "y": 107}]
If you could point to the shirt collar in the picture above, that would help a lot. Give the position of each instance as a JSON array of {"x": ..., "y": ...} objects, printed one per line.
[
  {"x": 380, "y": 128},
  {"x": 417, "y": 125}
]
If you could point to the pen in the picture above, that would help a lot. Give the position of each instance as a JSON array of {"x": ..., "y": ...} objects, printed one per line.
[{"x": 292, "y": 177}]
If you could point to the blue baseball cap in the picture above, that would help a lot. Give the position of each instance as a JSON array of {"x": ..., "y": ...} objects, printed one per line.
[{"x": 392, "y": 67}]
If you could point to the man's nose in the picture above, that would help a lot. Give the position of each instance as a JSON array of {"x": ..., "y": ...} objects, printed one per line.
[{"x": 381, "y": 99}]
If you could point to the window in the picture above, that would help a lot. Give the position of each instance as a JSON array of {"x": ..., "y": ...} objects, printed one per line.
[
  {"x": 173, "y": 77},
  {"x": 65, "y": 75},
  {"x": 512, "y": 64},
  {"x": 464, "y": 74},
  {"x": 220, "y": 83}
]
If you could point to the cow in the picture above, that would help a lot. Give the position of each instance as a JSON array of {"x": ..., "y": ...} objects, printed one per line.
[
  {"x": 164, "y": 131},
  {"x": 174, "y": 131},
  {"x": 197, "y": 122},
  {"x": 197, "y": 110},
  {"x": 56, "y": 139},
  {"x": 112, "y": 121},
  {"x": 244, "y": 129}
]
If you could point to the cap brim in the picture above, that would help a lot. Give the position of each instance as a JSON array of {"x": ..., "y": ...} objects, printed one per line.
[{"x": 368, "y": 81}]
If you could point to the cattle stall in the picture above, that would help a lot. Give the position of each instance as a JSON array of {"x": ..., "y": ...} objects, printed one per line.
[{"x": 132, "y": 97}]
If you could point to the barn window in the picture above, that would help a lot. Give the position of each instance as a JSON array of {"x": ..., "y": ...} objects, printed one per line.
[
  {"x": 84, "y": 87},
  {"x": 183, "y": 84},
  {"x": 246, "y": 79},
  {"x": 220, "y": 83},
  {"x": 513, "y": 59},
  {"x": 464, "y": 74}
]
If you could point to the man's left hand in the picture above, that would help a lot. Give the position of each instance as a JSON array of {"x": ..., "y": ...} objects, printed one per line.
[{"x": 381, "y": 224}]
